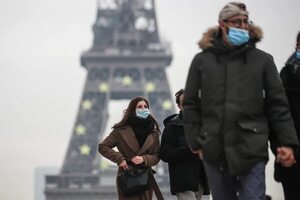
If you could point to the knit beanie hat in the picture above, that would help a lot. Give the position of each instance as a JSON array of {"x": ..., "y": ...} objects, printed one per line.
[{"x": 231, "y": 9}]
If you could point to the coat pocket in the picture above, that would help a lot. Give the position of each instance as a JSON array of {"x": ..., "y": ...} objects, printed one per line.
[
  {"x": 255, "y": 127},
  {"x": 211, "y": 139},
  {"x": 253, "y": 138}
]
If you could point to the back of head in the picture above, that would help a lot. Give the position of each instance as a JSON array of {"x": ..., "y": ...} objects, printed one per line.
[
  {"x": 177, "y": 96},
  {"x": 232, "y": 9}
]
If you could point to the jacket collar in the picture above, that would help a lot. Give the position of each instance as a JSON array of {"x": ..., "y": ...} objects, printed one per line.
[
  {"x": 175, "y": 119},
  {"x": 129, "y": 137},
  {"x": 209, "y": 37},
  {"x": 293, "y": 61}
]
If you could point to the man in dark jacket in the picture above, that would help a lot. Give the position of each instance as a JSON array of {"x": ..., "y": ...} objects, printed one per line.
[
  {"x": 186, "y": 171},
  {"x": 232, "y": 96},
  {"x": 290, "y": 75}
]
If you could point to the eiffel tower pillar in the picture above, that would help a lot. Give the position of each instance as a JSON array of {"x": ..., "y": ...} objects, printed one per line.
[{"x": 127, "y": 59}]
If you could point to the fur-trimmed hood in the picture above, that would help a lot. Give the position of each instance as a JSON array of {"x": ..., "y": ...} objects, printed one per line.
[{"x": 211, "y": 34}]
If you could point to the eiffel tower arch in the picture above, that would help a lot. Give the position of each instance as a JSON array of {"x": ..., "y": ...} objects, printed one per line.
[{"x": 127, "y": 59}]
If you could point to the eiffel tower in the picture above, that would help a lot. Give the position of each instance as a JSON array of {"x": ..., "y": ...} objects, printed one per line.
[{"x": 127, "y": 59}]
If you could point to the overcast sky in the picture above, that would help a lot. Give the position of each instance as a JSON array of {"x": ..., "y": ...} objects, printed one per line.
[{"x": 41, "y": 79}]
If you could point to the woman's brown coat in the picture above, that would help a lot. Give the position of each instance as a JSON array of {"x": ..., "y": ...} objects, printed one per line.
[{"x": 125, "y": 141}]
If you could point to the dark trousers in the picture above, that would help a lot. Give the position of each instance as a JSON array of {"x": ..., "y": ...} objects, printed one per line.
[
  {"x": 291, "y": 190},
  {"x": 225, "y": 186}
]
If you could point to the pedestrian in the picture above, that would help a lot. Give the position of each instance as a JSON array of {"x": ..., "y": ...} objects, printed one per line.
[
  {"x": 232, "y": 96},
  {"x": 186, "y": 172},
  {"x": 136, "y": 137},
  {"x": 290, "y": 75}
]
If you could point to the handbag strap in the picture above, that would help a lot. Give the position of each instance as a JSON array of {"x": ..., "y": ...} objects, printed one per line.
[{"x": 155, "y": 187}]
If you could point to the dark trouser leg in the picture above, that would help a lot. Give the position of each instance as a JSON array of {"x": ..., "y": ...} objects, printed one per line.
[
  {"x": 252, "y": 186},
  {"x": 291, "y": 190},
  {"x": 223, "y": 185}
]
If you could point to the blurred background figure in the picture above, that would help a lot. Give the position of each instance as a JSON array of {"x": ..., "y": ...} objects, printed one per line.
[
  {"x": 290, "y": 75},
  {"x": 186, "y": 172}
]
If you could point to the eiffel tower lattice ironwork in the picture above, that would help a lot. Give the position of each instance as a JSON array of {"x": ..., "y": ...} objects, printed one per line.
[{"x": 127, "y": 59}]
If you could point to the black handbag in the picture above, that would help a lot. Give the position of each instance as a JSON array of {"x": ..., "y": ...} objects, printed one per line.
[{"x": 134, "y": 180}]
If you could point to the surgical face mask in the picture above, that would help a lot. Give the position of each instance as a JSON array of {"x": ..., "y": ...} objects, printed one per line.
[
  {"x": 298, "y": 54},
  {"x": 142, "y": 113},
  {"x": 237, "y": 36}
]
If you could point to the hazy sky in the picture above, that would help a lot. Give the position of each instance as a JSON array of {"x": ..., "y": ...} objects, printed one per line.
[{"x": 41, "y": 79}]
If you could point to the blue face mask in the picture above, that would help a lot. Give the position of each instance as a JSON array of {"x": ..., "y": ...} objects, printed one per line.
[
  {"x": 237, "y": 36},
  {"x": 298, "y": 54},
  {"x": 142, "y": 113}
]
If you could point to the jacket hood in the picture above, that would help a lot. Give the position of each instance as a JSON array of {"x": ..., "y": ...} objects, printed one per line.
[
  {"x": 211, "y": 34},
  {"x": 168, "y": 119},
  {"x": 175, "y": 119}
]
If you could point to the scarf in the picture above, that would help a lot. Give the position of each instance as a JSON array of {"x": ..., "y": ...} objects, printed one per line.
[{"x": 141, "y": 128}]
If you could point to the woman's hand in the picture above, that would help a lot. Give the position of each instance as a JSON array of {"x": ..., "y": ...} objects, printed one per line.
[
  {"x": 285, "y": 155},
  {"x": 123, "y": 164},
  {"x": 137, "y": 160},
  {"x": 198, "y": 152}
]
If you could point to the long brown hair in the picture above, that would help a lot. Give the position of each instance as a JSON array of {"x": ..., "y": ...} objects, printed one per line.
[{"x": 130, "y": 111}]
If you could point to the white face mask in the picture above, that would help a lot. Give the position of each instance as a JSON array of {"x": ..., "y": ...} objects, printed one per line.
[{"x": 142, "y": 113}]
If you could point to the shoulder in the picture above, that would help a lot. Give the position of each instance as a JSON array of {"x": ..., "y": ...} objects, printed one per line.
[
  {"x": 202, "y": 55},
  {"x": 177, "y": 120},
  {"x": 155, "y": 134},
  {"x": 122, "y": 130},
  {"x": 283, "y": 71},
  {"x": 259, "y": 57},
  {"x": 261, "y": 54},
  {"x": 169, "y": 119},
  {"x": 198, "y": 60},
  {"x": 174, "y": 122}
]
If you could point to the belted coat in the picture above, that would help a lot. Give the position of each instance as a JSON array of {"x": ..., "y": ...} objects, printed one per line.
[
  {"x": 125, "y": 141},
  {"x": 232, "y": 96}
]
